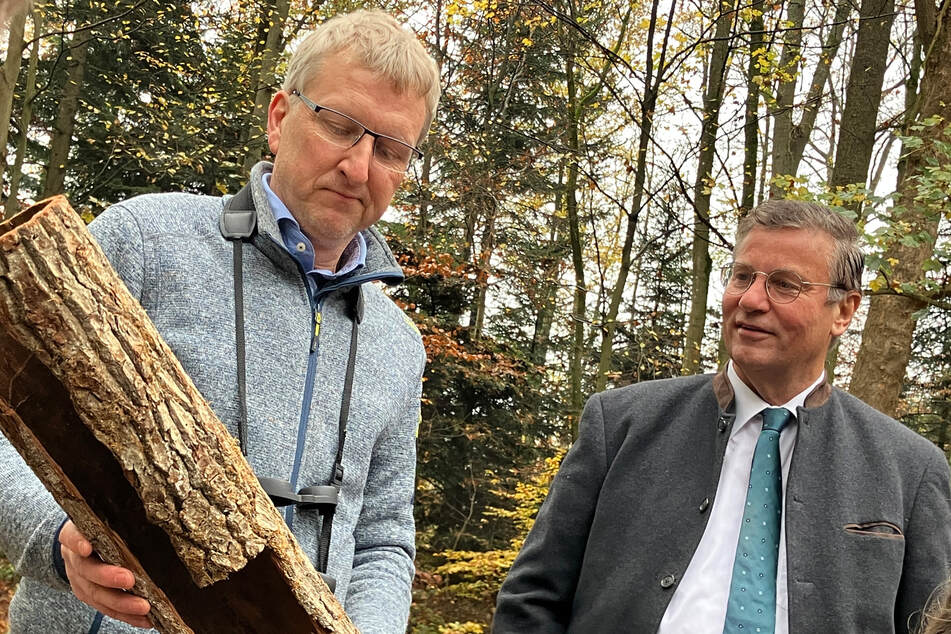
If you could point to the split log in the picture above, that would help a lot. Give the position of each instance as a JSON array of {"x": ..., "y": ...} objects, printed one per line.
[{"x": 102, "y": 411}]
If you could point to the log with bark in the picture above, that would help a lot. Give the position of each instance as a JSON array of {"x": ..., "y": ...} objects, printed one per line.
[{"x": 102, "y": 411}]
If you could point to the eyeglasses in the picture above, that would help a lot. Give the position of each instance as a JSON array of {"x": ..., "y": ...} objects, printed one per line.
[
  {"x": 342, "y": 131},
  {"x": 781, "y": 286}
]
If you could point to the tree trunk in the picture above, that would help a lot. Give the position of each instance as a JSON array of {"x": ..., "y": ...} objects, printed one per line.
[
  {"x": 886, "y": 340},
  {"x": 485, "y": 267},
  {"x": 546, "y": 290},
  {"x": 8, "y": 79},
  {"x": 751, "y": 114},
  {"x": 782, "y": 108},
  {"x": 652, "y": 82},
  {"x": 788, "y": 150},
  {"x": 66, "y": 119},
  {"x": 276, "y": 16},
  {"x": 578, "y": 304},
  {"x": 863, "y": 95},
  {"x": 101, "y": 410},
  {"x": 26, "y": 117},
  {"x": 703, "y": 187},
  {"x": 425, "y": 197}
]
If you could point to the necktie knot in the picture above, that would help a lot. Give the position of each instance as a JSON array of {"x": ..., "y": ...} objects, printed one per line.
[{"x": 775, "y": 418}]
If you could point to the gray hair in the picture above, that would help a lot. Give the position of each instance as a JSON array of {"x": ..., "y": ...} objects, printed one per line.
[
  {"x": 378, "y": 42},
  {"x": 847, "y": 261}
]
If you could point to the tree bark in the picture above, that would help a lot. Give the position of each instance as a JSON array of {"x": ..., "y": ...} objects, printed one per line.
[
  {"x": 99, "y": 407},
  {"x": 863, "y": 95},
  {"x": 886, "y": 340},
  {"x": 66, "y": 118},
  {"x": 700, "y": 276}
]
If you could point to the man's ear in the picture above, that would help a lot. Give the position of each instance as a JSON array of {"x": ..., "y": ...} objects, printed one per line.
[
  {"x": 844, "y": 311},
  {"x": 276, "y": 112}
]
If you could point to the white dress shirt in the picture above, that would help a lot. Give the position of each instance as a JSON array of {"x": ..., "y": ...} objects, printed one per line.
[{"x": 700, "y": 600}]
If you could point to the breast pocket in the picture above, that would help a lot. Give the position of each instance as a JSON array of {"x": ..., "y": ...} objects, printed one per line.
[
  {"x": 880, "y": 528},
  {"x": 873, "y": 550}
]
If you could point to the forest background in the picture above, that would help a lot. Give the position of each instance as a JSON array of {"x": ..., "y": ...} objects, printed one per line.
[{"x": 580, "y": 190}]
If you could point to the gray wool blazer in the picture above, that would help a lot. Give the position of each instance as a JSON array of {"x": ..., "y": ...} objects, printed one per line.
[{"x": 868, "y": 515}]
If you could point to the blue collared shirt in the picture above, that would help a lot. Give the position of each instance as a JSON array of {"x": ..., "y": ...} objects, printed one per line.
[{"x": 300, "y": 247}]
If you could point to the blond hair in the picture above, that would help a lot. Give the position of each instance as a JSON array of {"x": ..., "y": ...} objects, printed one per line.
[
  {"x": 378, "y": 42},
  {"x": 937, "y": 619}
]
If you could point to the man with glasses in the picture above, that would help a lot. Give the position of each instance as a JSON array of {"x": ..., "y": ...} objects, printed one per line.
[
  {"x": 757, "y": 500},
  {"x": 266, "y": 298}
]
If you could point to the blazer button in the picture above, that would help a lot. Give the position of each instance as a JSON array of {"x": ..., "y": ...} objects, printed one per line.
[
  {"x": 704, "y": 505},
  {"x": 668, "y": 581}
]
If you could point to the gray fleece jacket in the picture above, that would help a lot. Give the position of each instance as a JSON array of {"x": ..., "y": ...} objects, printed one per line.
[{"x": 168, "y": 250}]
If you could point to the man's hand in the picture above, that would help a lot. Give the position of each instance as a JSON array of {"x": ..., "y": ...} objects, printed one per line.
[{"x": 99, "y": 584}]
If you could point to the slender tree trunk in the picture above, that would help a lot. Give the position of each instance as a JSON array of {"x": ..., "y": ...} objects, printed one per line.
[
  {"x": 782, "y": 108},
  {"x": 26, "y": 117},
  {"x": 886, "y": 341},
  {"x": 547, "y": 287},
  {"x": 652, "y": 82},
  {"x": 485, "y": 269},
  {"x": 803, "y": 130},
  {"x": 751, "y": 114},
  {"x": 276, "y": 16},
  {"x": 8, "y": 79},
  {"x": 788, "y": 151},
  {"x": 700, "y": 278},
  {"x": 66, "y": 119},
  {"x": 579, "y": 297},
  {"x": 425, "y": 196},
  {"x": 863, "y": 95}
]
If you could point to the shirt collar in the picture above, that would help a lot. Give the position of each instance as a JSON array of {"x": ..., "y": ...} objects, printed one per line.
[
  {"x": 352, "y": 258},
  {"x": 749, "y": 404}
]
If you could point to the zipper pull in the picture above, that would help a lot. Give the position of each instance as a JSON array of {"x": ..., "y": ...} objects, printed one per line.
[{"x": 318, "y": 317}]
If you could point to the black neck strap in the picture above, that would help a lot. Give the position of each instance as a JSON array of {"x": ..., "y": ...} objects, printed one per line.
[{"x": 238, "y": 223}]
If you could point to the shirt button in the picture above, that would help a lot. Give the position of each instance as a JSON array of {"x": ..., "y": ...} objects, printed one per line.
[
  {"x": 705, "y": 504},
  {"x": 668, "y": 581},
  {"x": 301, "y": 247}
]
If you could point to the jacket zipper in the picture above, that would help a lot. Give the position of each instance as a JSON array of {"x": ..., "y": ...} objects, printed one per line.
[{"x": 316, "y": 303}]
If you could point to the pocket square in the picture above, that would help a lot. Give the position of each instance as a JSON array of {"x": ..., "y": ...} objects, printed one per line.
[{"x": 880, "y": 528}]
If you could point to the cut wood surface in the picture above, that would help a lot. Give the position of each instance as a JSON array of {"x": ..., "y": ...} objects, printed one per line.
[{"x": 104, "y": 414}]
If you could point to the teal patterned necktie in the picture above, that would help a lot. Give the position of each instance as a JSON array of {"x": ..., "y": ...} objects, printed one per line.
[{"x": 751, "y": 607}]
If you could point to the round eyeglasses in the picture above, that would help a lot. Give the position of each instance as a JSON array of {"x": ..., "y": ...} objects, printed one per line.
[
  {"x": 781, "y": 286},
  {"x": 338, "y": 129}
]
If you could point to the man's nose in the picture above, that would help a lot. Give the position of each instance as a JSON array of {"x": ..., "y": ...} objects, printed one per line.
[
  {"x": 356, "y": 161},
  {"x": 756, "y": 297}
]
